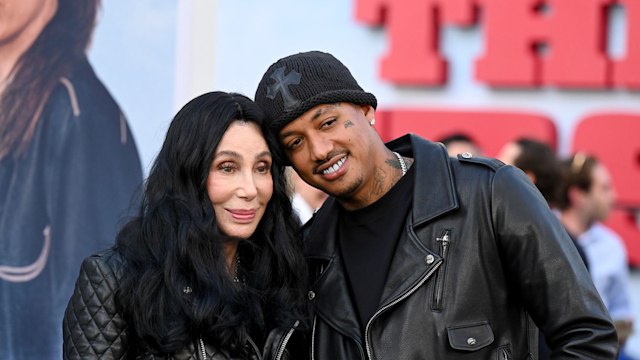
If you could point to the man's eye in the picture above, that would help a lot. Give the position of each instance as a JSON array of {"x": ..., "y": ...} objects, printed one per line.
[
  {"x": 294, "y": 144},
  {"x": 328, "y": 123}
]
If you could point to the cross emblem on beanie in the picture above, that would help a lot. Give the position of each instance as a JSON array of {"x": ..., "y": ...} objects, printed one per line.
[{"x": 281, "y": 85}]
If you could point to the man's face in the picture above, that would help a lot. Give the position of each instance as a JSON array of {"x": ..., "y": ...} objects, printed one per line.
[
  {"x": 329, "y": 147},
  {"x": 601, "y": 195}
]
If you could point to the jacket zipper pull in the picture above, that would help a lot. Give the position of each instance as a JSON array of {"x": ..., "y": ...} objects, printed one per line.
[
  {"x": 439, "y": 286},
  {"x": 444, "y": 239}
]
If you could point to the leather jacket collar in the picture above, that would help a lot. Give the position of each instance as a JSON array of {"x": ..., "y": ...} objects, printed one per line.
[
  {"x": 413, "y": 261},
  {"x": 434, "y": 185}
]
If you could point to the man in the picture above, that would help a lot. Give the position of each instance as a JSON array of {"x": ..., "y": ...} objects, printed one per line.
[
  {"x": 458, "y": 143},
  {"x": 540, "y": 163},
  {"x": 537, "y": 160},
  {"x": 305, "y": 199},
  {"x": 586, "y": 197},
  {"x": 416, "y": 255}
]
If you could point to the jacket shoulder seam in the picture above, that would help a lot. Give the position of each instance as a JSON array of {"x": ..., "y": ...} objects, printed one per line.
[{"x": 493, "y": 164}]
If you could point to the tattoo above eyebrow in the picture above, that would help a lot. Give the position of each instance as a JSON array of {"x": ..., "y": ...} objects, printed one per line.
[{"x": 348, "y": 124}]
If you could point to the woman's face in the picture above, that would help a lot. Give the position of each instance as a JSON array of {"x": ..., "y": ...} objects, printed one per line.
[
  {"x": 240, "y": 183},
  {"x": 24, "y": 19}
]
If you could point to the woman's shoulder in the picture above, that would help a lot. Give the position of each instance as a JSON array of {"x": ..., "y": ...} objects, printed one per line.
[
  {"x": 93, "y": 325},
  {"x": 107, "y": 265}
]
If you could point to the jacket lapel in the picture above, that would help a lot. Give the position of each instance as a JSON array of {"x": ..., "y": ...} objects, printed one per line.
[
  {"x": 434, "y": 195},
  {"x": 434, "y": 191},
  {"x": 332, "y": 300}
]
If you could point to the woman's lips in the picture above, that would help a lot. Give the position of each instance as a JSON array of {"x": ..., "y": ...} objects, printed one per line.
[{"x": 242, "y": 215}]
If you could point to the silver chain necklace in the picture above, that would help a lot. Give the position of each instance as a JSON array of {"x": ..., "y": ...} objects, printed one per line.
[{"x": 403, "y": 165}]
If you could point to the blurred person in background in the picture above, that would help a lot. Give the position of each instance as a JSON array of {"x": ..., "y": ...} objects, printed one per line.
[
  {"x": 68, "y": 167},
  {"x": 537, "y": 160},
  {"x": 458, "y": 143},
  {"x": 541, "y": 165},
  {"x": 585, "y": 198},
  {"x": 305, "y": 198}
]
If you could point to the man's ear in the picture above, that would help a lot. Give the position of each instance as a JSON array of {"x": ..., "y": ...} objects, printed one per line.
[
  {"x": 531, "y": 176},
  {"x": 369, "y": 111},
  {"x": 576, "y": 196}
]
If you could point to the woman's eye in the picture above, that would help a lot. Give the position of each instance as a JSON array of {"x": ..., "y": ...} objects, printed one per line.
[
  {"x": 263, "y": 168},
  {"x": 227, "y": 168}
]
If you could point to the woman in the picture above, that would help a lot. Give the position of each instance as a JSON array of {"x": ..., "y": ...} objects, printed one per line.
[
  {"x": 68, "y": 167},
  {"x": 210, "y": 268}
]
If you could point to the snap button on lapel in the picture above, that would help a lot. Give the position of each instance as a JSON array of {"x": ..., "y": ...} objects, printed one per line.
[
  {"x": 311, "y": 295},
  {"x": 429, "y": 259},
  {"x": 466, "y": 155}
]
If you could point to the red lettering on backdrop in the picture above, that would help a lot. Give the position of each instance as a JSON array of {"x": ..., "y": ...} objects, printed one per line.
[
  {"x": 515, "y": 31},
  {"x": 413, "y": 57},
  {"x": 613, "y": 139},
  {"x": 575, "y": 55},
  {"x": 490, "y": 129},
  {"x": 626, "y": 72}
]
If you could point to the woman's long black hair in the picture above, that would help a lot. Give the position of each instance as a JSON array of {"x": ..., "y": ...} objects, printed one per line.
[{"x": 174, "y": 243}]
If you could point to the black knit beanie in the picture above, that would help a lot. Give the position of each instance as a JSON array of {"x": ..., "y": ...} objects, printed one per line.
[{"x": 297, "y": 83}]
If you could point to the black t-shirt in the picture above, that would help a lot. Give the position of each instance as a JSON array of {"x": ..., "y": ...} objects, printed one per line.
[{"x": 368, "y": 239}]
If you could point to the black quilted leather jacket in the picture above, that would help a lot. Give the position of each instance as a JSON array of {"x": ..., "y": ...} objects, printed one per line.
[
  {"x": 93, "y": 328},
  {"x": 480, "y": 257}
]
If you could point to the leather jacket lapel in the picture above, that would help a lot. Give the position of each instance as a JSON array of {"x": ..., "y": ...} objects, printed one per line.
[{"x": 329, "y": 285}]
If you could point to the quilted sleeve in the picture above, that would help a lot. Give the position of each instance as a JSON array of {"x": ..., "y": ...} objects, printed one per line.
[{"x": 92, "y": 326}]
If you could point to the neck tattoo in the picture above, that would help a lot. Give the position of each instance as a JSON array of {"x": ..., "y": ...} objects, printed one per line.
[{"x": 403, "y": 165}]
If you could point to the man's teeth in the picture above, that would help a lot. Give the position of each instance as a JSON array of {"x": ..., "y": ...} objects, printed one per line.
[{"x": 335, "y": 166}]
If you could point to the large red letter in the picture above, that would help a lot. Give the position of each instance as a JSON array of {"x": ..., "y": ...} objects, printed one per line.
[
  {"x": 626, "y": 72},
  {"x": 490, "y": 129},
  {"x": 572, "y": 30},
  {"x": 413, "y": 57}
]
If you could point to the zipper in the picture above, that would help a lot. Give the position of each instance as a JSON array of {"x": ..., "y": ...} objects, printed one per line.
[
  {"x": 505, "y": 355},
  {"x": 202, "y": 349},
  {"x": 313, "y": 338},
  {"x": 437, "y": 295},
  {"x": 283, "y": 345},
  {"x": 384, "y": 308}
]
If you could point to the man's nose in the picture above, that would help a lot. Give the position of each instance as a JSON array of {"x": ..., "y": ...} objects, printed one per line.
[{"x": 319, "y": 148}]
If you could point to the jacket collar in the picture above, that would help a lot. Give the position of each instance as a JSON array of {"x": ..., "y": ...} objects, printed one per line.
[
  {"x": 434, "y": 195},
  {"x": 434, "y": 192}
]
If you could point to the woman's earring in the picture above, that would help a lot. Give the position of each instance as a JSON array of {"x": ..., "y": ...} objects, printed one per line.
[{"x": 372, "y": 121}]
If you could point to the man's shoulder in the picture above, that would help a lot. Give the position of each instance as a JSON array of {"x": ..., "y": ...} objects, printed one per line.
[{"x": 469, "y": 159}]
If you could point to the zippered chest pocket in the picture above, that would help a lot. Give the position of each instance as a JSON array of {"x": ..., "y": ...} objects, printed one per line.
[{"x": 444, "y": 242}]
